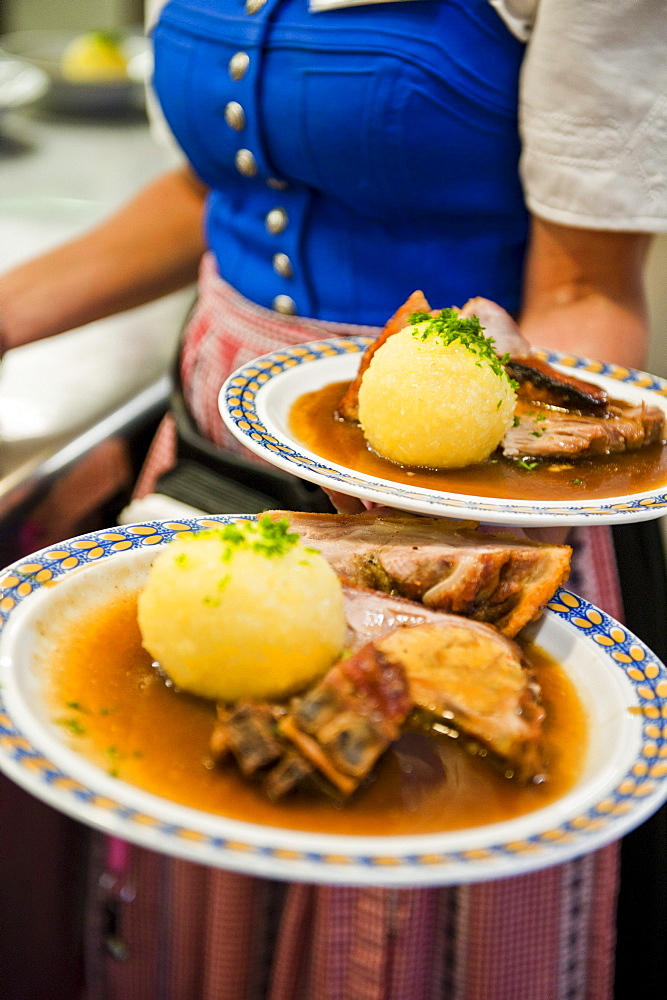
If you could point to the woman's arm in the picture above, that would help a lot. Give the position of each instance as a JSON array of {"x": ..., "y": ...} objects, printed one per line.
[
  {"x": 149, "y": 247},
  {"x": 584, "y": 292}
]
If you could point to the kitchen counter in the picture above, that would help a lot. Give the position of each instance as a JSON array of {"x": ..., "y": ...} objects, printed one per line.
[{"x": 57, "y": 397}]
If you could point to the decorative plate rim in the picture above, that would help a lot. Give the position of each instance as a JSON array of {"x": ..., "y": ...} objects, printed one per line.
[
  {"x": 240, "y": 405},
  {"x": 111, "y": 805}
]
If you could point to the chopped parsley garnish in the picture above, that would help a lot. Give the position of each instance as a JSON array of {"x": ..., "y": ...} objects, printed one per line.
[
  {"x": 74, "y": 726},
  {"x": 114, "y": 757},
  {"x": 523, "y": 463},
  {"x": 76, "y": 706},
  {"x": 232, "y": 534},
  {"x": 274, "y": 537},
  {"x": 447, "y": 327},
  {"x": 265, "y": 536}
]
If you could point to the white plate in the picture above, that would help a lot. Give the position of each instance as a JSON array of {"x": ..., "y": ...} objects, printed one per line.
[
  {"x": 255, "y": 402},
  {"x": 621, "y": 682},
  {"x": 20, "y": 83}
]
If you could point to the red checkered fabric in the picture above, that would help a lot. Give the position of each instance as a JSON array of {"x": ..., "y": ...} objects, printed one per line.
[
  {"x": 201, "y": 934},
  {"x": 226, "y": 331}
]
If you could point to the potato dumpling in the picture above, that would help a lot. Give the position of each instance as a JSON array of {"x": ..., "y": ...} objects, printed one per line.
[
  {"x": 436, "y": 395},
  {"x": 242, "y": 612}
]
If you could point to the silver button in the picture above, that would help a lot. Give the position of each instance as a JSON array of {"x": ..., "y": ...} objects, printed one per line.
[
  {"x": 277, "y": 184},
  {"x": 238, "y": 65},
  {"x": 252, "y": 6},
  {"x": 276, "y": 221},
  {"x": 235, "y": 116},
  {"x": 285, "y": 305},
  {"x": 246, "y": 163},
  {"x": 282, "y": 265}
]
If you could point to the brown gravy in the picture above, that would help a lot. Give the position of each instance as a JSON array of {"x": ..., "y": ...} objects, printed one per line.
[
  {"x": 118, "y": 711},
  {"x": 314, "y": 424}
]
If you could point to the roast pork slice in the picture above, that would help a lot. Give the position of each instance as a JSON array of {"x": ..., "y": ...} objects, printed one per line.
[
  {"x": 446, "y": 565},
  {"x": 370, "y": 614},
  {"x": 537, "y": 379},
  {"x": 497, "y": 323},
  {"x": 541, "y": 432},
  {"x": 470, "y": 682}
]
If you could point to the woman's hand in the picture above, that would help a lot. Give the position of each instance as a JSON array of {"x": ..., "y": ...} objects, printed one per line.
[
  {"x": 349, "y": 505},
  {"x": 556, "y": 535}
]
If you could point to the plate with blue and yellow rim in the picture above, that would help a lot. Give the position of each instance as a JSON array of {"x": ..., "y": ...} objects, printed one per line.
[
  {"x": 256, "y": 401},
  {"x": 623, "y": 777}
]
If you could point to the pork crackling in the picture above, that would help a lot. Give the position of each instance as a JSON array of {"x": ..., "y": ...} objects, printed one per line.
[{"x": 446, "y": 565}]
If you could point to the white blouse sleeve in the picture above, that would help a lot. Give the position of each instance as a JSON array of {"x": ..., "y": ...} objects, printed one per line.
[
  {"x": 152, "y": 10},
  {"x": 593, "y": 114},
  {"x": 518, "y": 15}
]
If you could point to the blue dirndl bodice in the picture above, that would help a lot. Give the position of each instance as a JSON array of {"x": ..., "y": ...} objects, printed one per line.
[{"x": 353, "y": 155}]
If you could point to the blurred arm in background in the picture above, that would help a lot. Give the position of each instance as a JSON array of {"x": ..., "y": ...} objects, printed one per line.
[{"x": 148, "y": 248}]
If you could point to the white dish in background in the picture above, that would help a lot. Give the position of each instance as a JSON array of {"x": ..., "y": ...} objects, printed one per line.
[
  {"x": 255, "y": 402},
  {"x": 44, "y": 49},
  {"x": 20, "y": 83},
  {"x": 620, "y": 681}
]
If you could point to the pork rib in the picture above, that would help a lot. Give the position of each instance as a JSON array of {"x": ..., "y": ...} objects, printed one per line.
[
  {"x": 446, "y": 565},
  {"x": 344, "y": 723},
  {"x": 332, "y": 734},
  {"x": 247, "y": 731}
]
